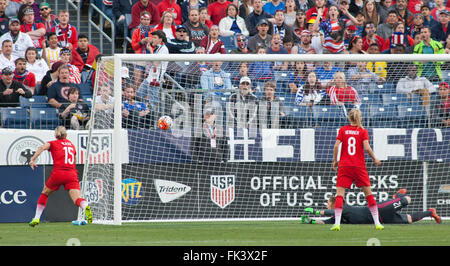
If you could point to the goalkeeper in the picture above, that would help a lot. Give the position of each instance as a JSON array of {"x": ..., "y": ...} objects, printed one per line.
[{"x": 388, "y": 211}]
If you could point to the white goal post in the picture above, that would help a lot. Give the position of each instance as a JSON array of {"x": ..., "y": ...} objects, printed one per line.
[{"x": 269, "y": 159}]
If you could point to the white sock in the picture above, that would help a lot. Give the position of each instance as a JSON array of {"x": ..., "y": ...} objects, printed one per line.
[
  {"x": 374, "y": 211},
  {"x": 83, "y": 204},
  {"x": 39, "y": 209},
  {"x": 337, "y": 216}
]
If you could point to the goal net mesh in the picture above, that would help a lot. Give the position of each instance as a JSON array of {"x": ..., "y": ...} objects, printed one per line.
[{"x": 254, "y": 139}]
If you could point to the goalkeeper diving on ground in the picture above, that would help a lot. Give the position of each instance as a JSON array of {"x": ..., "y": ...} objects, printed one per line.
[{"x": 389, "y": 212}]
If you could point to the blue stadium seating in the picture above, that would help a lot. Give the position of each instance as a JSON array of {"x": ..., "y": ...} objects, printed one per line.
[
  {"x": 229, "y": 42},
  {"x": 44, "y": 118},
  {"x": 387, "y": 87},
  {"x": 34, "y": 102},
  {"x": 395, "y": 99},
  {"x": 15, "y": 117},
  {"x": 412, "y": 116},
  {"x": 329, "y": 115},
  {"x": 383, "y": 116},
  {"x": 298, "y": 116}
]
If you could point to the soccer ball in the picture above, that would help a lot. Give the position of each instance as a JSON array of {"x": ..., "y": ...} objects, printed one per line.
[{"x": 165, "y": 122}]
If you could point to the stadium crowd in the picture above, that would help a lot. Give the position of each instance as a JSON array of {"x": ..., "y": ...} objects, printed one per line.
[{"x": 47, "y": 56}]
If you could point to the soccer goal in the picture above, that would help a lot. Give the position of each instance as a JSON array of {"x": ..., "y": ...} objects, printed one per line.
[{"x": 260, "y": 148}]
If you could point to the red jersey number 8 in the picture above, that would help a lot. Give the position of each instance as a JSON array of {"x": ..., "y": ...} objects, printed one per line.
[
  {"x": 351, "y": 147},
  {"x": 69, "y": 157}
]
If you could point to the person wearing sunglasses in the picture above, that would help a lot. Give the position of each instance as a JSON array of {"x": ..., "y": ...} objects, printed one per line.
[{"x": 47, "y": 18}]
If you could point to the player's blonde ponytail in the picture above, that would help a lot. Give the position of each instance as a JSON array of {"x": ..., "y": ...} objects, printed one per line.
[
  {"x": 60, "y": 132},
  {"x": 355, "y": 118}
]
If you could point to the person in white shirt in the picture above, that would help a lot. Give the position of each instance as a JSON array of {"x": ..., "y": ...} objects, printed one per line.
[
  {"x": 6, "y": 57},
  {"x": 417, "y": 85},
  {"x": 21, "y": 41},
  {"x": 35, "y": 65}
]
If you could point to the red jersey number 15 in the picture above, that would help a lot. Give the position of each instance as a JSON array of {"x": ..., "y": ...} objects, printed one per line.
[{"x": 69, "y": 156}]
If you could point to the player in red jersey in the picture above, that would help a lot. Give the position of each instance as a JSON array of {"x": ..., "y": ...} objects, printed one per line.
[
  {"x": 352, "y": 166},
  {"x": 64, "y": 173}
]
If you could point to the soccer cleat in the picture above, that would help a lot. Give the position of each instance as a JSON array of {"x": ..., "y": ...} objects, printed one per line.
[
  {"x": 88, "y": 214},
  {"x": 379, "y": 227},
  {"x": 336, "y": 227},
  {"x": 400, "y": 191},
  {"x": 434, "y": 215},
  {"x": 34, "y": 222}
]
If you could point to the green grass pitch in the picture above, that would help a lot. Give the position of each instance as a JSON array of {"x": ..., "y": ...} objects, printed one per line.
[{"x": 260, "y": 233}]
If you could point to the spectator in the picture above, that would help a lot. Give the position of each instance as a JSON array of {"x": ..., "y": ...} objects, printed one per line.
[
  {"x": 428, "y": 19},
  {"x": 74, "y": 114},
  {"x": 181, "y": 43},
  {"x": 281, "y": 28},
  {"x": 22, "y": 75},
  {"x": 262, "y": 38},
  {"x": 318, "y": 10},
  {"x": 211, "y": 146},
  {"x": 50, "y": 77},
  {"x": 104, "y": 105},
  {"x": 363, "y": 79},
  {"x": 297, "y": 77},
  {"x": 261, "y": 70},
  {"x": 47, "y": 18},
  {"x": 311, "y": 93},
  {"x": 326, "y": 72},
  {"x": 173, "y": 7},
  {"x": 35, "y": 30},
  {"x": 393, "y": 67},
  {"x": 370, "y": 36},
  {"x": 51, "y": 53},
  {"x": 304, "y": 5},
  {"x": 122, "y": 16},
  {"x": 243, "y": 71},
  {"x": 241, "y": 98},
  {"x": 245, "y": 8},
  {"x": 355, "y": 7},
  {"x": 217, "y": 10},
  {"x": 195, "y": 70},
  {"x": 274, "y": 5},
  {"x": 417, "y": 39},
  {"x": 140, "y": 42},
  {"x": 21, "y": 41},
  {"x": 36, "y": 65},
  {"x": 299, "y": 24},
  {"x": 304, "y": 47},
  {"x": 75, "y": 75},
  {"x": 12, "y": 8},
  {"x": 6, "y": 57},
  {"x": 212, "y": 43},
  {"x": 215, "y": 80},
  {"x": 288, "y": 44},
  {"x": 188, "y": 5},
  {"x": 149, "y": 89},
  {"x": 414, "y": 6},
  {"x": 204, "y": 17},
  {"x": 441, "y": 107},
  {"x": 242, "y": 45},
  {"x": 167, "y": 25},
  {"x": 135, "y": 112},
  {"x": 430, "y": 70},
  {"x": 255, "y": 17},
  {"x": 398, "y": 37},
  {"x": 277, "y": 48},
  {"x": 404, "y": 14},
  {"x": 290, "y": 13},
  {"x": 197, "y": 30},
  {"x": 440, "y": 31},
  {"x": 342, "y": 94},
  {"x": 270, "y": 100},
  {"x": 412, "y": 83},
  {"x": 57, "y": 89},
  {"x": 417, "y": 23},
  {"x": 232, "y": 23},
  {"x": 371, "y": 13},
  {"x": 11, "y": 91},
  {"x": 384, "y": 30},
  {"x": 4, "y": 20},
  {"x": 136, "y": 10},
  {"x": 355, "y": 45},
  {"x": 378, "y": 67},
  {"x": 383, "y": 10},
  {"x": 84, "y": 55},
  {"x": 66, "y": 33},
  {"x": 436, "y": 12}
]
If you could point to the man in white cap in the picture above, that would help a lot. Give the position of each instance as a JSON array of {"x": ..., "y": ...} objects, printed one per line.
[
  {"x": 21, "y": 41},
  {"x": 246, "y": 98}
]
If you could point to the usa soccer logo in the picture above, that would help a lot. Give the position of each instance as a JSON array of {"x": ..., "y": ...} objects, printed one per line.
[{"x": 223, "y": 190}]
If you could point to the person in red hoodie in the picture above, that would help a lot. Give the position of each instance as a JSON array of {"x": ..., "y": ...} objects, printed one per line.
[
  {"x": 173, "y": 7},
  {"x": 83, "y": 57},
  {"x": 136, "y": 10},
  {"x": 211, "y": 42}
]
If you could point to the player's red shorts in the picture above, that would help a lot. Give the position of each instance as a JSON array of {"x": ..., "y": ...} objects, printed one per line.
[
  {"x": 66, "y": 177},
  {"x": 347, "y": 175}
]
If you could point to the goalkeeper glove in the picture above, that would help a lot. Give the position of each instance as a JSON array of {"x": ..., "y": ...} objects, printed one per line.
[
  {"x": 312, "y": 211},
  {"x": 307, "y": 220}
]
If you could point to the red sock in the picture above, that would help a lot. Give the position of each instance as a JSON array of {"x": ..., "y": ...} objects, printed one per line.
[
  {"x": 371, "y": 200},
  {"x": 42, "y": 200},
  {"x": 339, "y": 202},
  {"x": 78, "y": 202}
]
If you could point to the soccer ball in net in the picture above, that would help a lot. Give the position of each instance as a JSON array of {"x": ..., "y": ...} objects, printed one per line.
[{"x": 165, "y": 122}]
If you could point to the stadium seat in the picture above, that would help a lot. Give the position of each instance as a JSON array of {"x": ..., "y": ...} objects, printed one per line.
[
  {"x": 328, "y": 115},
  {"x": 387, "y": 87},
  {"x": 15, "y": 117},
  {"x": 383, "y": 116},
  {"x": 412, "y": 116},
  {"x": 44, "y": 118},
  {"x": 85, "y": 89},
  {"x": 370, "y": 98},
  {"x": 395, "y": 99},
  {"x": 229, "y": 42},
  {"x": 298, "y": 116},
  {"x": 35, "y": 101}
]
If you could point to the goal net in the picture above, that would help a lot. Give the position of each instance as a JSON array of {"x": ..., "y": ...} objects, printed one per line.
[{"x": 252, "y": 135}]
